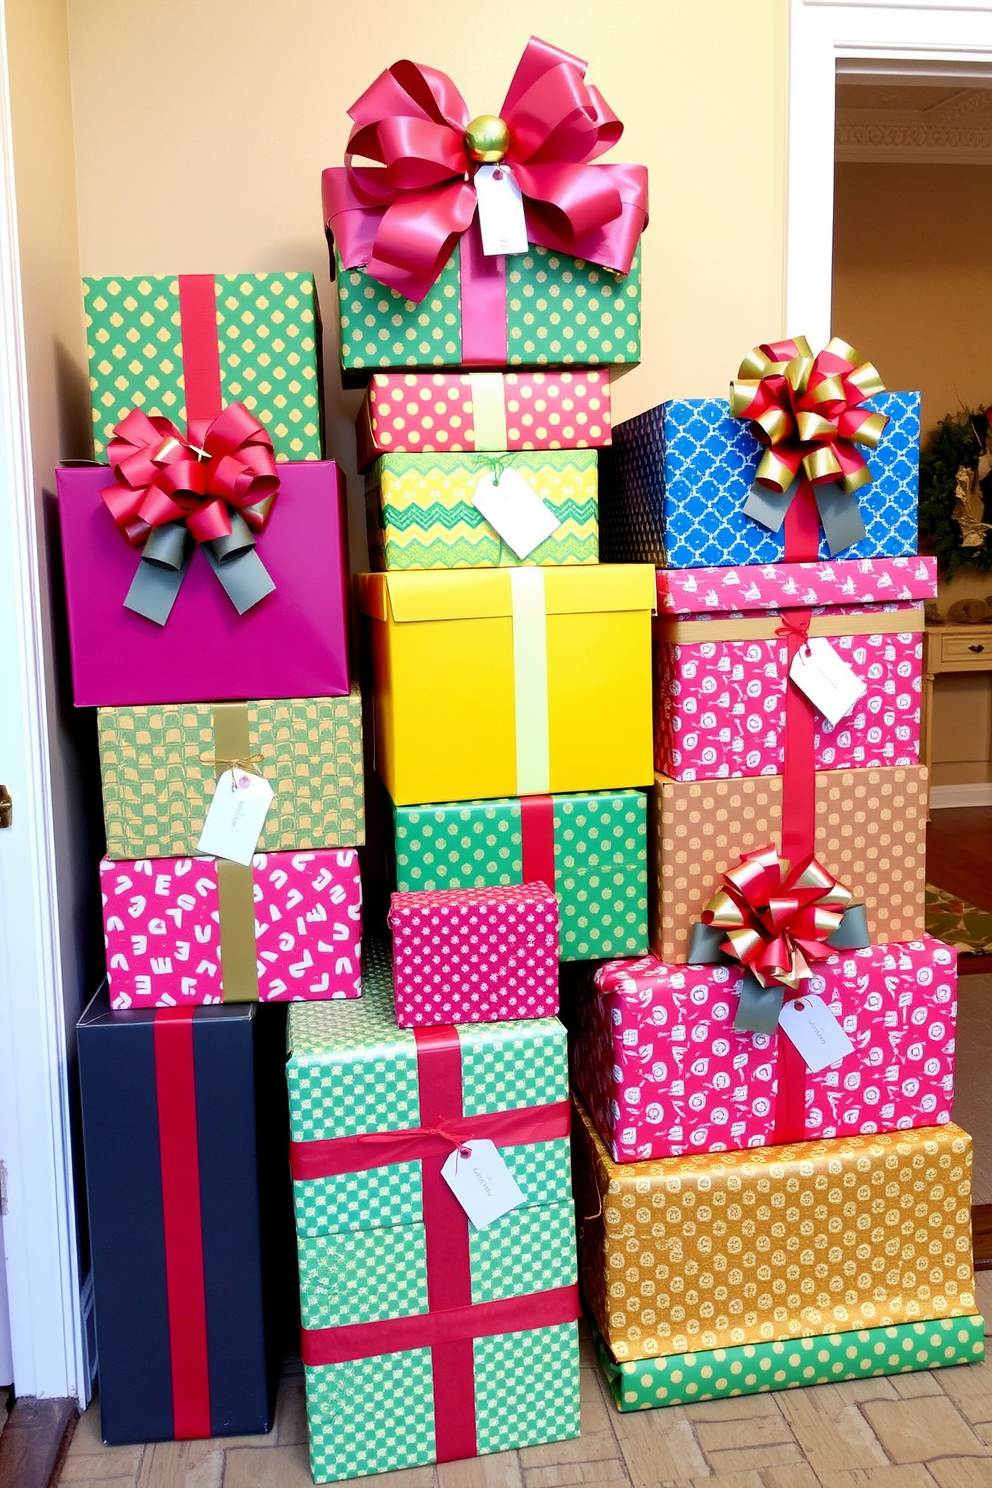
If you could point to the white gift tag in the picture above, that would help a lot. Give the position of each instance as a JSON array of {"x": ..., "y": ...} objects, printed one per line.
[
  {"x": 515, "y": 510},
  {"x": 481, "y": 1182},
  {"x": 236, "y": 816},
  {"x": 814, "y": 1030},
  {"x": 826, "y": 679},
  {"x": 501, "y": 210}
]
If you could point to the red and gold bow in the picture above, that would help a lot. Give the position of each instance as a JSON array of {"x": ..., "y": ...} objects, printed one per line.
[
  {"x": 777, "y": 922},
  {"x": 401, "y": 218},
  {"x": 162, "y": 477},
  {"x": 808, "y": 411}
]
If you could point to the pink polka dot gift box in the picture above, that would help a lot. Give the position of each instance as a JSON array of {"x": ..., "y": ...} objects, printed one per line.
[
  {"x": 449, "y": 412},
  {"x": 475, "y": 955},
  {"x": 663, "y": 1071}
]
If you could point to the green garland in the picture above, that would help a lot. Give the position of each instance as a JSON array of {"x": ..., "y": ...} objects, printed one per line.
[{"x": 959, "y": 440}]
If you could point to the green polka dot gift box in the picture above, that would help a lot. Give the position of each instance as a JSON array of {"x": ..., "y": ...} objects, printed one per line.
[
  {"x": 590, "y": 848},
  {"x": 825, "y": 1358},
  {"x": 184, "y": 346},
  {"x": 425, "y": 1338},
  {"x": 555, "y": 311}
]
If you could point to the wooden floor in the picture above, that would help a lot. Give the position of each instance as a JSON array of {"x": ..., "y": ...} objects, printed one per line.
[{"x": 930, "y": 1430}]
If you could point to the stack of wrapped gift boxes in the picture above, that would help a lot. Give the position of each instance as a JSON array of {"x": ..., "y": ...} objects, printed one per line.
[
  {"x": 512, "y": 711},
  {"x": 207, "y": 594},
  {"x": 771, "y": 1190}
]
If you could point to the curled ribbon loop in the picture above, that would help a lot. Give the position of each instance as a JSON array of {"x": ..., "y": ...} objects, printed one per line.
[
  {"x": 401, "y": 217},
  {"x": 809, "y": 413},
  {"x": 216, "y": 485},
  {"x": 777, "y": 921}
]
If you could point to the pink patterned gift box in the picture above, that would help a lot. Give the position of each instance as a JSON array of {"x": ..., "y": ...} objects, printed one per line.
[
  {"x": 662, "y": 1071},
  {"x": 722, "y": 665},
  {"x": 166, "y": 921},
  {"x": 475, "y": 955}
]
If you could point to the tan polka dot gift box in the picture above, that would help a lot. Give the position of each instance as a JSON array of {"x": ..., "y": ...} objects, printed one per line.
[
  {"x": 870, "y": 833},
  {"x": 726, "y": 1249}
]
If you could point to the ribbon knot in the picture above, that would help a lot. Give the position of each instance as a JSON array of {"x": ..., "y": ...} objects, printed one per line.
[
  {"x": 415, "y": 1134},
  {"x": 794, "y": 623},
  {"x": 401, "y": 217},
  {"x": 809, "y": 414},
  {"x": 217, "y": 486}
]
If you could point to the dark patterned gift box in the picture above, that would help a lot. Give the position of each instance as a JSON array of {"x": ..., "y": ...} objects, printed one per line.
[
  {"x": 674, "y": 485},
  {"x": 590, "y": 848},
  {"x": 424, "y": 1338},
  {"x": 160, "y": 767}
]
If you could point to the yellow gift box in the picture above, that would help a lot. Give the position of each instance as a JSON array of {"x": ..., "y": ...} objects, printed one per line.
[
  {"x": 720, "y": 1249},
  {"x": 511, "y": 682}
]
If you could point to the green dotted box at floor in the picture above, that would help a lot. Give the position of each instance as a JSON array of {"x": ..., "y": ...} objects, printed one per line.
[
  {"x": 374, "y": 1415},
  {"x": 755, "y": 1368},
  {"x": 599, "y": 853},
  {"x": 421, "y": 512},
  {"x": 268, "y": 345},
  {"x": 560, "y": 312}
]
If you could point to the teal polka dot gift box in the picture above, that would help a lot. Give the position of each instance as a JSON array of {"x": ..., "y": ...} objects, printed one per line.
[
  {"x": 181, "y": 345},
  {"x": 494, "y": 241},
  {"x": 427, "y": 1338},
  {"x": 590, "y": 847}
]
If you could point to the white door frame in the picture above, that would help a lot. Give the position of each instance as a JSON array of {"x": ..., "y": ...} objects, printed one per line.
[
  {"x": 39, "y": 1225},
  {"x": 891, "y": 39}
]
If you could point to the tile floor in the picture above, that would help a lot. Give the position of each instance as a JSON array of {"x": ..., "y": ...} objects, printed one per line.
[{"x": 929, "y": 1430}]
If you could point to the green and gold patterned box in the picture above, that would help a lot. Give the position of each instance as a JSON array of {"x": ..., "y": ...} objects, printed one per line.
[
  {"x": 424, "y": 1338},
  {"x": 421, "y": 512},
  {"x": 160, "y": 765},
  {"x": 590, "y": 848},
  {"x": 560, "y": 312},
  {"x": 148, "y": 347},
  {"x": 756, "y": 1368}
]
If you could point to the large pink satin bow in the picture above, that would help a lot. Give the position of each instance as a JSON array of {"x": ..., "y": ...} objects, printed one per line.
[
  {"x": 401, "y": 218},
  {"x": 162, "y": 477}
]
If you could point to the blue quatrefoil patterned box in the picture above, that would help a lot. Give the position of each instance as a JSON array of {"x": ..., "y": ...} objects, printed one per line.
[{"x": 673, "y": 487}]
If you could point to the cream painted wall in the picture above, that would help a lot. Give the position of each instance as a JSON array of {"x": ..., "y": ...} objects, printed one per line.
[
  {"x": 202, "y": 126},
  {"x": 913, "y": 290}
]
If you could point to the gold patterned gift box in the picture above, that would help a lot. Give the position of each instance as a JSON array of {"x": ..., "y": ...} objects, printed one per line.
[
  {"x": 160, "y": 766},
  {"x": 722, "y": 1249},
  {"x": 870, "y": 833}
]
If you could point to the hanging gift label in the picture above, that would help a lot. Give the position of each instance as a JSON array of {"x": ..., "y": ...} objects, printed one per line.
[
  {"x": 514, "y": 510},
  {"x": 826, "y": 679},
  {"x": 481, "y": 1182},
  {"x": 236, "y": 817},
  {"x": 811, "y": 1026},
  {"x": 501, "y": 211}
]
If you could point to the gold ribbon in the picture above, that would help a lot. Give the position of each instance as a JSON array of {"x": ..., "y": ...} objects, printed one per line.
[
  {"x": 488, "y": 410},
  {"x": 235, "y": 881},
  {"x": 767, "y": 627}
]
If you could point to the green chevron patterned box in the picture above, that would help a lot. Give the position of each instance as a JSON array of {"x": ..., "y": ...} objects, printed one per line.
[
  {"x": 590, "y": 848},
  {"x": 185, "y": 345},
  {"x": 422, "y": 514},
  {"x": 755, "y": 1368},
  {"x": 160, "y": 766},
  {"x": 560, "y": 312},
  {"x": 426, "y": 1339}
]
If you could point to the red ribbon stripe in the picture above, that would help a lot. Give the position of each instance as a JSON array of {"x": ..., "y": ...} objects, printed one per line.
[
  {"x": 537, "y": 839},
  {"x": 201, "y": 356}
]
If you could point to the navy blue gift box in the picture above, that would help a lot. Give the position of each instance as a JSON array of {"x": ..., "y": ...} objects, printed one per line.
[
  {"x": 188, "y": 1190},
  {"x": 673, "y": 486}
]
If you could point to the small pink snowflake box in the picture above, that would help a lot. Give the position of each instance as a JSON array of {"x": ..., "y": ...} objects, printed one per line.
[
  {"x": 722, "y": 663},
  {"x": 475, "y": 955}
]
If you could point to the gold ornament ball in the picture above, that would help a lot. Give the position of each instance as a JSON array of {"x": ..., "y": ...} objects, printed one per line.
[{"x": 487, "y": 139}]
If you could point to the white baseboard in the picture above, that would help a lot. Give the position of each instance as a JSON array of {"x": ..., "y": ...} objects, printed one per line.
[{"x": 979, "y": 794}]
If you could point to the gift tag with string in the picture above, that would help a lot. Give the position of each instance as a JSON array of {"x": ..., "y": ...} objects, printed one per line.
[
  {"x": 514, "y": 510},
  {"x": 811, "y": 1026},
  {"x": 826, "y": 679},
  {"x": 481, "y": 1182},
  {"x": 236, "y": 816},
  {"x": 501, "y": 211}
]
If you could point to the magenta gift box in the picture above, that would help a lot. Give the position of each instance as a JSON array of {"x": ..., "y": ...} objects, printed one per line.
[
  {"x": 293, "y": 643},
  {"x": 167, "y": 922},
  {"x": 475, "y": 955},
  {"x": 722, "y": 667},
  {"x": 662, "y": 1072}
]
